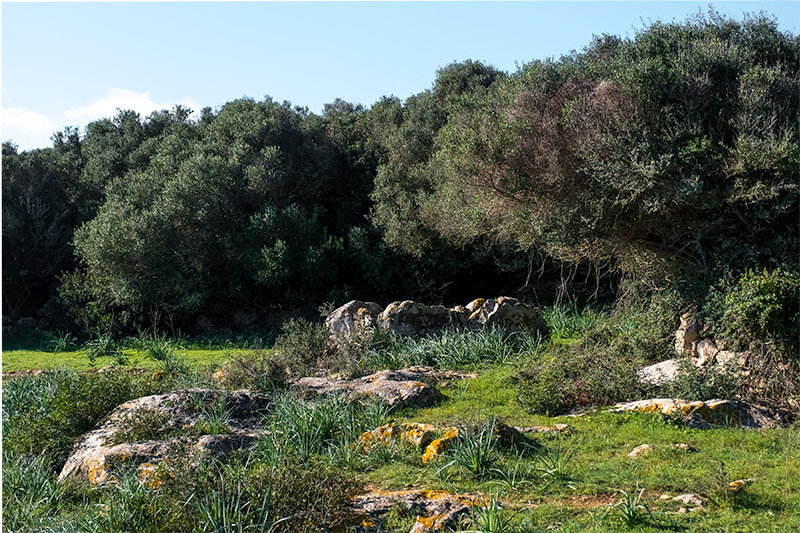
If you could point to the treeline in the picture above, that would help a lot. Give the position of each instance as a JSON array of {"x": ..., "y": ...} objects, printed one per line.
[{"x": 673, "y": 156}]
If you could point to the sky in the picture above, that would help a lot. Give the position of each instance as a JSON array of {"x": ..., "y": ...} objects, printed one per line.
[{"x": 67, "y": 64}]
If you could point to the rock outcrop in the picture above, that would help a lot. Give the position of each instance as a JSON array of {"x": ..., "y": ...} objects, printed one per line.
[
  {"x": 435, "y": 510},
  {"x": 353, "y": 318},
  {"x": 395, "y": 388},
  {"x": 703, "y": 415},
  {"x": 415, "y": 319},
  {"x": 164, "y": 422},
  {"x": 700, "y": 351}
]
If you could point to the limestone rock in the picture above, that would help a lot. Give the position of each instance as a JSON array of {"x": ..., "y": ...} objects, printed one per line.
[
  {"x": 739, "y": 484},
  {"x": 353, "y": 317},
  {"x": 688, "y": 332},
  {"x": 437, "y": 448},
  {"x": 180, "y": 415},
  {"x": 660, "y": 373},
  {"x": 508, "y": 314},
  {"x": 562, "y": 429},
  {"x": 436, "y": 510},
  {"x": 704, "y": 351},
  {"x": 415, "y": 319},
  {"x": 712, "y": 412},
  {"x": 690, "y": 499},
  {"x": 388, "y": 434},
  {"x": 643, "y": 449},
  {"x": 392, "y": 387}
]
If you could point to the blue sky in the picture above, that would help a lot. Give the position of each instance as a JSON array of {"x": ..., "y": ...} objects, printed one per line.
[{"x": 66, "y": 64}]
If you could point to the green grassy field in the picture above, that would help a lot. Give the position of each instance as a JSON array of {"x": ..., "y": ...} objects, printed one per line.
[{"x": 581, "y": 481}]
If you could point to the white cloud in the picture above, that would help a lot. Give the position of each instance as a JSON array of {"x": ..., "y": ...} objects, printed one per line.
[
  {"x": 106, "y": 106},
  {"x": 28, "y": 129}
]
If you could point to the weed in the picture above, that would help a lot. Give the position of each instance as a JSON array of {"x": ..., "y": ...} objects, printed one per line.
[
  {"x": 61, "y": 342},
  {"x": 514, "y": 474},
  {"x": 631, "y": 508},
  {"x": 29, "y": 491},
  {"x": 555, "y": 462},
  {"x": 473, "y": 451},
  {"x": 489, "y": 519},
  {"x": 104, "y": 345}
]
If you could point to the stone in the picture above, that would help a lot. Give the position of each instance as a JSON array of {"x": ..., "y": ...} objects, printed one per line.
[
  {"x": 690, "y": 499},
  {"x": 660, "y": 373},
  {"x": 353, "y": 318},
  {"x": 704, "y": 414},
  {"x": 683, "y": 448},
  {"x": 739, "y": 484},
  {"x": 509, "y": 315},
  {"x": 437, "y": 448},
  {"x": 392, "y": 387},
  {"x": 704, "y": 351},
  {"x": 436, "y": 510},
  {"x": 688, "y": 332},
  {"x": 415, "y": 319},
  {"x": 96, "y": 456},
  {"x": 643, "y": 449},
  {"x": 561, "y": 429},
  {"x": 389, "y": 434}
]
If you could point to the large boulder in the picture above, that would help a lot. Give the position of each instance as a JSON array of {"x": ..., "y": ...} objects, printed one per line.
[
  {"x": 415, "y": 319},
  {"x": 353, "y": 318},
  {"x": 508, "y": 314},
  {"x": 394, "y": 388},
  {"x": 660, "y": 373},
  {"x": 142, "y": 432},
  {"x": 688, "y": 332},
  {"x": 703, "y": 415}
]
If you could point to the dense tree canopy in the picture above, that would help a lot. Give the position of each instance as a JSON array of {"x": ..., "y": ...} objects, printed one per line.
[{"x": 677, "y": 149}]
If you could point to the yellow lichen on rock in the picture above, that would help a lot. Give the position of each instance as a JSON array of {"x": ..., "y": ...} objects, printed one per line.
[{"x": 437, "y": 448}]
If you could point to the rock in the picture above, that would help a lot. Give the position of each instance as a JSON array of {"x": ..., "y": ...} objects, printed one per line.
[
  {"x": 688, "y": 332},
  {"x": 392, "y": 387},
  {"x": 414, "y": 319},
  {"x": 643, "y": 449},
  {"x": 437, "y": 448},
  {"x": 354, "y": 317},
  {"x": 435, "y": 510},
  {"x": 690, "y": 499},
  {"x": 683, "y": 448},
  {"x": 704, "y": 351},
  {"x": 389, "y": 434},
  {"x": 739, "y": 484},
  {"x": 660, "y": 373},
  {"x": 562, "y": 429},
  {"x": 508, "y": 314},
  {"x": 432, "y": 376},
  {"x": 711, "y": 413},
  {"x": 175, "y": 418}
]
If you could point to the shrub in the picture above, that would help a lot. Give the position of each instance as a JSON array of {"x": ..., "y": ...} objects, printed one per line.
[
  {"x": 763, "y": 306},
  {"x": 303, "y": 345},
  {"x": 260, "y": 370}
]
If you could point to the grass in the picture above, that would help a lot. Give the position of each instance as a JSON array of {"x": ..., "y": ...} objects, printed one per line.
[
  {"x": 583, "y": 481},
  {"x": 27, "y": 360}
]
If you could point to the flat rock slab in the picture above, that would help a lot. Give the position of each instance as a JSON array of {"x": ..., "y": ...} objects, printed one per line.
[
  {"x": 177, "y": 419},
  {"x": 704, "y": 415},
  {"x": 393, "y": 387},
  {"x": 435, "y": 510}
]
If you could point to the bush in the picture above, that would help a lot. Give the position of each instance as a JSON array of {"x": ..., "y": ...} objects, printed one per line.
[
  {"x": 303, "y": 345},
  {"x": 763, "y": 306}
]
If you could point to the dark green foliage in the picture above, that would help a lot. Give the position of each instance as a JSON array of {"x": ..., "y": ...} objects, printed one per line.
[{"x": 764, "y": 306}]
